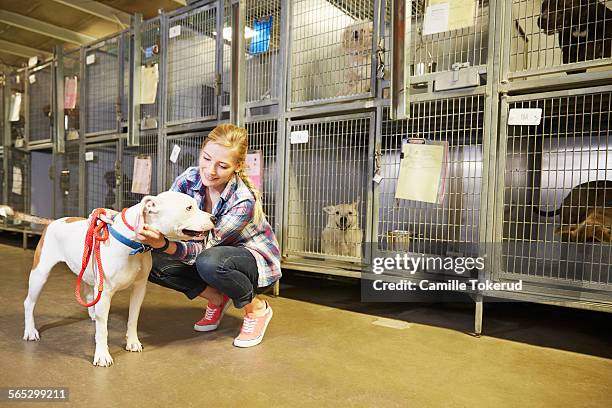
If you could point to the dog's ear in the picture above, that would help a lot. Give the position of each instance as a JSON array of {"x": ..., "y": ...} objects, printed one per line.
[
  {"x": 329, "y": 209},
  {"x": 149, "y": 205},
  {"x": 356, "y": 203}
]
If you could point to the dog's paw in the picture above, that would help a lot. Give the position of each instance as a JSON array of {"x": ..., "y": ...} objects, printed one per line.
[
  {"x": 31, "y": 335},
  {"x": 133, "y": 345},
  {"x": 102, "y": 359}
]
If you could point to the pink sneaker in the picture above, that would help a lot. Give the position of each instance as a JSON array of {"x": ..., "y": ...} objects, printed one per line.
[
  {"x": 253, "y": 329},
  {"x": 212, "y": 316}
]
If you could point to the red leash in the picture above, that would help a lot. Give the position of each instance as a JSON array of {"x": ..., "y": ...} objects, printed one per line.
[{"x": 93, "y": 233}]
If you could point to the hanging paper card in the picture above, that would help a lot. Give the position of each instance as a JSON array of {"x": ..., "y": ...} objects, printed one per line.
[
  {"x": 32, "y": 61},
  {"x": 447, "y": 15},
  {"x": 141, "y": 179},
  {"x": 175, "y": 152},
  {"x": 70, "y": 92},
  {"x": 149, "y": 77},
  {"x": 254, "y": 168},
  {"x": 421, "y": 172},
  {"x": 15, "y": 107},
  {"x": 17, "y": 181},
  {"x": 261, "y": 40}
]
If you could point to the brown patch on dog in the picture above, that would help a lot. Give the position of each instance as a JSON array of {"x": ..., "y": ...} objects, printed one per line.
[
  {"x": 70, "y": 220},
  {"x": 39, "y": 249},
  {"x": 596, "y": 227}
]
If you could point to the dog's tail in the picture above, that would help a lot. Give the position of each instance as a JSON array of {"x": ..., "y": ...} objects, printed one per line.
[{"x": 8, "y": 212}]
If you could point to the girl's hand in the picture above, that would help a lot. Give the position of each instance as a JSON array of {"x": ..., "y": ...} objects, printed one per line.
[{"x": 150, "y": 236}]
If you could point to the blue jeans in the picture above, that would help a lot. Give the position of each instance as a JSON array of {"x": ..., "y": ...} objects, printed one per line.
[{"x": 230, "y": 270}]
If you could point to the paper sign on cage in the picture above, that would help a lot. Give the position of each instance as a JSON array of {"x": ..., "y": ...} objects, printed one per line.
[
  {"x": 141, "y": 179},
  {"x": 254, "y": 168},
  {"x": 17, "y": 181},
  {"x": 70, "y": 92},
  {"x": 422, "y": 172},
  {"x": 15, "y": 107},
  {"x": 149, "y": 77},
  {"x": 447, "y": 15}
]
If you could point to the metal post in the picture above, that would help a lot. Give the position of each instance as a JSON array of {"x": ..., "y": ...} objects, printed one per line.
[
  {"x": 238, "y": 92},
  {"x": 6, "y": 140},
  {"x": 59, "y": 130},
  {"x": 400, "y": 49},
  {"x": 134, "y": 90}
]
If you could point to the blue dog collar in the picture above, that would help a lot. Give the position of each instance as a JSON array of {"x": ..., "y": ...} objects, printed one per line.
[{"x": 137, "y": 247}]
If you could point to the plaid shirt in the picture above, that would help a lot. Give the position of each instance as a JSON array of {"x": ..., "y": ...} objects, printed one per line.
[{"x": 235, "y": 226}]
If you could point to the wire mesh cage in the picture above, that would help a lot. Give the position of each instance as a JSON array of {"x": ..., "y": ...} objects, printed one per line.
[
  {"x": 150, "y": 43},
  {"x": 327, "y": 179},
  {"x": 263, "y": 156},
  {"x": 66, "y": 180},
  {"x": 40, "y": 197},
  {"x": 39, "y": 96},
  {"x": 435, "y": 47},
  {"x": 557, "y": 189},
  {"x": 226, "y": 77},
  {"x": 262, "y": 65},
  {"x": 191, "y": 66},
  {"x": 562, "y": 35},
  {"x": 16, "y": 108},
  {"x": 18, "y": 179},
  {"x": 124, "y": 85},
  {"x": 139, "y": 170},
  {"x": 450, "y": 225},
  {"x": 101, "y": 165},
  {"x": 188, "y": 148},
  {"x": 330, "y": 49},
  {"x": 72, "y": 97},
  {"x": 103, "y": 79}
]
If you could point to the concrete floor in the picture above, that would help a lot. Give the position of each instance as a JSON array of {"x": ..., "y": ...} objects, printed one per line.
[{"x": 323, "y": 348}]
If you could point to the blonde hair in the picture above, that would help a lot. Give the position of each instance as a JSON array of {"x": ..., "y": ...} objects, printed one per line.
[{"x": 236, "y": 138}]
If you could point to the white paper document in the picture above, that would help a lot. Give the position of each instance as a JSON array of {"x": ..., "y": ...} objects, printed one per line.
[
  {"x": 447, "y": 15},
  {"x": 17, "y": 181},
  {"x": 141, "y": 179},
  {"x": 175, "y": 152},
  {"x": 15, "y": 107},
  {"x": 523, "y": 116},
  {"x": 149, "y": 77},
  {"x": 421, "y": 172}
]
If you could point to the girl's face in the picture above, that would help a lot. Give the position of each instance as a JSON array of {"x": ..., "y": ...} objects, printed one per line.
[{"x": 217, "y": 165}]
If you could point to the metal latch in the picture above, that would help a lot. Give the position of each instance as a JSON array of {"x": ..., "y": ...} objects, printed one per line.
[{"x": 456, "y": 67}]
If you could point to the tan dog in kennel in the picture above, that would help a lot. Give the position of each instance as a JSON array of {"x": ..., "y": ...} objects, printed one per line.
[
  {"x": 342, "y": 235},
  {"x": 357, "y": 44}
]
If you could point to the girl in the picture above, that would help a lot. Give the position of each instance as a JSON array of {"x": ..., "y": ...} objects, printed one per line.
[{"x": 240, "y": 258}]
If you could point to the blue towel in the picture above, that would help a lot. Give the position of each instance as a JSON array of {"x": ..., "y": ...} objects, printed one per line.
[{"x": 261, "y": 40}]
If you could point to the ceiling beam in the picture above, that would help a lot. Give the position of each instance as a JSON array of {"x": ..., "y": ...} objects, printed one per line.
[
  {"x": 99, "y": 10},
  {"x": 49, "y": 30},
  {"x": 21, "y": 50},
  {"x": 181, "y": 2}
]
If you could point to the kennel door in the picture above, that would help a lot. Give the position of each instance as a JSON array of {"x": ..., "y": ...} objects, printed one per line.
[
  {"x": 102, "y": 176},
  {"x": 329, "y": 165}
]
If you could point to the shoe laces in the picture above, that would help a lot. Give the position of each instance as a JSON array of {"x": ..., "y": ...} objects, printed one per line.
[
  {"x": 248, "y": 326},
  {"x": 210, "y": 312}
]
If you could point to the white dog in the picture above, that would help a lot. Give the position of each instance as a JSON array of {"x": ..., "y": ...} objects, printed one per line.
[
  {"x": 357, "y": 44},
  {"x": 175, "y": 215},
  {"x": 342, "y": 234}
]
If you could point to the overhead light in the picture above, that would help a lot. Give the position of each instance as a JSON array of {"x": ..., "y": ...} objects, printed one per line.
[{"x": 227, "y": 33}]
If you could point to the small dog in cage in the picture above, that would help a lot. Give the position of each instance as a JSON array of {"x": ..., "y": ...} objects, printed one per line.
[
  {"x": 342, "y": 234},
  {"x": 357, "y": 44},
  {"x": 584, "y": 28},
  {"x": 596, "y": 227}
]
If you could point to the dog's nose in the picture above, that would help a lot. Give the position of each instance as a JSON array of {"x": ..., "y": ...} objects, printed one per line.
[
  {"x": 213, "y": 219},
  {"x": 343, "y": 221}
]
